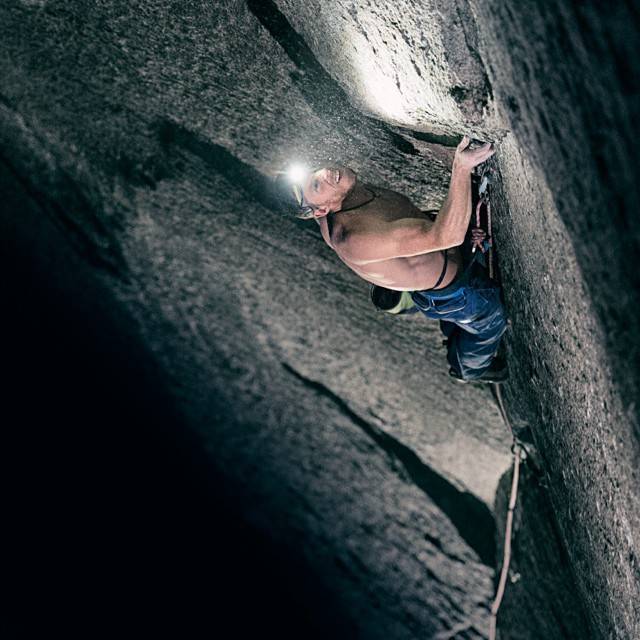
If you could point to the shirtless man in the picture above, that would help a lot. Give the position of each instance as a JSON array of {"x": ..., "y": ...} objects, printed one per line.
[{"x": 388, "y": 241}]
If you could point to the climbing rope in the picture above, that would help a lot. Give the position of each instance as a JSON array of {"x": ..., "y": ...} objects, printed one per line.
[{"x": 518, "y": 455}]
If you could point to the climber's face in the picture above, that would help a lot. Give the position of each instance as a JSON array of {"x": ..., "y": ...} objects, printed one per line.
[{"x": 324, "y": 190}]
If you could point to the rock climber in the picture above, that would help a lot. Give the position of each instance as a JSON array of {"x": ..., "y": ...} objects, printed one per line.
[{"x": 384, "y": 238}]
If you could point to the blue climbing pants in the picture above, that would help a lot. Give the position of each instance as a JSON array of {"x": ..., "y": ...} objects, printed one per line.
[{"x": 471, "y": 317}]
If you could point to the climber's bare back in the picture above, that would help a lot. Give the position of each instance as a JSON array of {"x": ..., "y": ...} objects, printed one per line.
[{"x": 402, "y": 274}]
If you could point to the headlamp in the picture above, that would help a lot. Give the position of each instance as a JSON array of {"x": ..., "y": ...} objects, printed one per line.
[{"x": 296, "y": 175}]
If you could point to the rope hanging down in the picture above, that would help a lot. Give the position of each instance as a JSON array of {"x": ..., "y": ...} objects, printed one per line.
[{"x": 518, "y": 456}]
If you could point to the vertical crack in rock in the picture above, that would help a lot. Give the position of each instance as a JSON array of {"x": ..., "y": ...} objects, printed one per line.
[
  {"x": 323, "y": 94},
  {"x": 469, "y": 515}
]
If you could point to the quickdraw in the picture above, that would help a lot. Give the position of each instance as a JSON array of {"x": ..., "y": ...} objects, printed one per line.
[{"x": 485, "y": 174}]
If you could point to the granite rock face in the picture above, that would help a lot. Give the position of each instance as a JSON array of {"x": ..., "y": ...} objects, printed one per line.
[
  {"x": 138, "y": 143},
  {"x": 413, "y": 65},
  {"x": 571, "y": 183}
]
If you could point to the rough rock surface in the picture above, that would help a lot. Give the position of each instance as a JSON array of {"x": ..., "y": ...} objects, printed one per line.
[
  {"x": 537, "y": 602},
  {"x": 571, "y": 183},
  {"x": 416, "y": 66},
  {"x": 136, "y": 142}
]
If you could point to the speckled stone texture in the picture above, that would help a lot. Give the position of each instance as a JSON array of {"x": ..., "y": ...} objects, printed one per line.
[
  {"x": 138, "y": 140},
  {"x": 570, "y": 181},
  {"x": 414, "y": 64}
]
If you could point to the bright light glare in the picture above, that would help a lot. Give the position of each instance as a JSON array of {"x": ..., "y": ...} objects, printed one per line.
[
  {"x": 384, "y": 94},
  {"x": 297, "y": 173},
  {"x": 380, "y": 89}
]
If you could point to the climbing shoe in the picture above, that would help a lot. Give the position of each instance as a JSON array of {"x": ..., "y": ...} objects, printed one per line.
[{"x": 497, "y": 373}]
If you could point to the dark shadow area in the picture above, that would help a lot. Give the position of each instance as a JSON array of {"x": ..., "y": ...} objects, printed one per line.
[
  {"x": 115, "y": 519},
  {"x": 471, "y": 517},
  {"x": 75, "y": 211}
]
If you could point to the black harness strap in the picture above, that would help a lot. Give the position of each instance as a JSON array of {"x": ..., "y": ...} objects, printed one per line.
[
  {"x": 444, "y": 270},
  {"x": 330, "y": 224}
]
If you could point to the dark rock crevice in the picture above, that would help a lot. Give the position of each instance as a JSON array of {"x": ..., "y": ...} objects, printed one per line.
[
  {"x": 433, "y": 138},
  {"x": 470, "y": 516}
]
